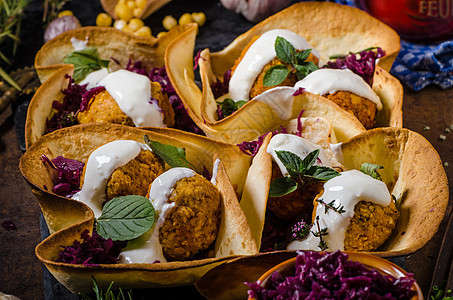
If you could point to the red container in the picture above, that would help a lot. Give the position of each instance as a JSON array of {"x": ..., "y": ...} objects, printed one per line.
[{"x": 415, "y": 20}]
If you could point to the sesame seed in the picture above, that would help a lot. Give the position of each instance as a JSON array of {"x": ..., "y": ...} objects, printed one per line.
[
  {"x": 425, "y": 128},
  {"x": 446, "y": 164},
  {"x": 447, "y": 130},
  {"x": 442, "y": 137}
]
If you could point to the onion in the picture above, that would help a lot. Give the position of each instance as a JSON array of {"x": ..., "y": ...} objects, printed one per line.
[
  {"x": 255, "y": 10},
  {"x": 59, "y": 26}
]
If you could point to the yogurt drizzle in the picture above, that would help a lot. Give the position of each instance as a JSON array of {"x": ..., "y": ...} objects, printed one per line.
[
  {"x": 345, "y": 190},
  {"x": 100, "y": 166},
  {"x": 260, "y": 53}
]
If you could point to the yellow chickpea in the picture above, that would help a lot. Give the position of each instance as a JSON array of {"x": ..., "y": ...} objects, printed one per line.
[
  {"x": 161, "y": 34},
  {"x": 65, "y": 13},
  {"x": 123, "y": 12},
  {"x": 137, "y": 12},
  {"x": 131, "y": 4},
  {"x": 135, "y": 23},
  {"x": 185, "y": 19},
  {"x": 141, "y": 3},
  {"x": 143, "y": 31},
  {"x": 103, "y": 19},
  {"x": 169, "y": 22},
  {"x": 199, "y": 18}
]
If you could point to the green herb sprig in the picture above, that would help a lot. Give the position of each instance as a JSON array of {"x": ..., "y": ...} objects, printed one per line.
[
  {"x": 297, "y": 61},
  {"x": 302, "y": 169},
  {"x": 108, "y": 295},
  {"x": 320, "y": 233},
  {"x": 229, "y": 106},
  {"x": 85, "y": 61},
  {"x": 330, "y": 205},
  {"x": 173, "y": 156},
  {"x": 125, "y": 218},
  {"x": 371, "y": 169}
]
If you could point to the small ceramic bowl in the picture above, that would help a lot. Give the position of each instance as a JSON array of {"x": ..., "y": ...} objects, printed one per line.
[{"x": 383, "y": 266}]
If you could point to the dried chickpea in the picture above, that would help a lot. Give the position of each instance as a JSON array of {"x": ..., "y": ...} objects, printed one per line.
[
  {"x": 169, "y": 22},
  {"x": 185, "y": 19},
  {"x": 161, "y": 34},
  {"x": 143, "y": 31},
  {"x": 123, "y": 12},
  {"x": 141, "y": 3},
  {"x": 103, "y": 19},
  {"x": 199, "y": 18},
  {"x": 126, "y": 28},
  {"x": 131, "y": 4},
  {"x": 135, "y": 23},
  {"x": 137, "y": 11},
  {"x": 119, "y": 24},
  {"x": 65, "y": 13}
]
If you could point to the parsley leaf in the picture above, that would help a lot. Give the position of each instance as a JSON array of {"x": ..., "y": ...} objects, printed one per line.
[
  {"x": 125, "y": 218},
  {"x": 173, "y": 156},
  {"x": 229, "y": 106},
  {"x": 371, "y": 169},
  {"x": 85, "y": 61}
]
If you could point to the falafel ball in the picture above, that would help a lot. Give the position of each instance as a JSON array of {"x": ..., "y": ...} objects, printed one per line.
[
  {"x": 362, "y": 108},
  {"x": 102, "y": 108},
  {"x": 371, "y": 226},
  {"x": 192, "y": 224},
  {"x": 296, "y": 205},
  {"x": 134, "y": 177},
  {"x": 258, "y": 87}
]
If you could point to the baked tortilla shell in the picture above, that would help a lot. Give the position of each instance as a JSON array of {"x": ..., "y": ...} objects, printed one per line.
[
  {"x": 413, "y": 173},
  {"x": 234, "y": 237},
  {"x": 111, "y": 43},
  {"x": 77, "y": 142}
]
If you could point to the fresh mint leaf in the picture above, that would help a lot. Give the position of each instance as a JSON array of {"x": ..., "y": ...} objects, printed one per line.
[
  {"x": 291, "y": 161},
  {"x": 284, "y": 50},
  {"x": 304, "y": 69},
  {"x": 371, "y": 169},
  {"x": 125, "y": 218},
  {"x": 229, "y": 106},
  {"x": 321, "y": 173},
  {"x": 275, "y": 75},
  {"x": 302, "y": 56},
  {"x": 85, "y": 61},
  {"x": 282, "y": 186},
  {"x": 173, "y": 156},
  {"x": 309, "y": 161}
]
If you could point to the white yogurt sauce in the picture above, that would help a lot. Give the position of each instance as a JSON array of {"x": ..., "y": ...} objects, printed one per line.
[
  {"x": 297, "y": 145},
  {"x": 94, "y": 78},
  {"x": 260, "y": 53},
  {"x": 132, "y": 92},
  {"x": 336, "y": 149},
  {"x": 215, "y": 169},
  {"x": 346, "y": 190},
  {"x": 147, "y": 248},
  {"x": 328, "y": 81},
  {"x": 100, "y": 166},
  {"x": 79, "y": 45}
]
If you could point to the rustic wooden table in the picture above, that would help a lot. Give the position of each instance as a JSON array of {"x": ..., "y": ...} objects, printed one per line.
[{"x": 21, "y": 273}]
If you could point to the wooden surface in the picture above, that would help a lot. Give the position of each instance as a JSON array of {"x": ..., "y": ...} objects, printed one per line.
[{"x": 21, "y": 274}]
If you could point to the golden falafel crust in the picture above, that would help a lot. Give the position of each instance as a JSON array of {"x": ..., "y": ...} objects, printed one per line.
[
  {"x": 192, "y": 224},
  {"x": 136, "y": 176},
  {"x": 371, "y": 226},
  {"x": 362, "y": 108}
]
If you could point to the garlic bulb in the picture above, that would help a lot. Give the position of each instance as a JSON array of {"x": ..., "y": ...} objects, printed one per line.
[{"x": 255, "y": 10}]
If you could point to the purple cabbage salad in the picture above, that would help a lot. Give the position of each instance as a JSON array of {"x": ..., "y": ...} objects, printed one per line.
[
  {"x": 76, "y": 98},
  {"x": 69, "y": 171},
  {"x": 251, "y": 148},
  {"x": 362, "y": 63},
  {"x": 92, "y": 251},
  {"x": 332, "y": 276}
]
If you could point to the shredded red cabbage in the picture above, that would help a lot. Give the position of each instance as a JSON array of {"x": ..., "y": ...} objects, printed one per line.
[
  {"x": 88, "y": 95},
  {"x": 69, "y": 171},
  {"x": 220, "y": 88},
  {"x": 66, "y": 111},
  {"x": 299, "y": 91},
  {"x": 332, "y": 276},
  {"x": 362, "y": 63},
  {"x": 92, "y": 251},
  {"x": 196, "y": 59}
]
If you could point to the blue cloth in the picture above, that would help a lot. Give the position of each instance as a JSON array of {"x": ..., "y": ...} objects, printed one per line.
[{"x": 422, "y": 65}]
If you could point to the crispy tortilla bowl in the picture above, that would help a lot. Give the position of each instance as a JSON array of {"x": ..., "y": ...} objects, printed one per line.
[
  {"x": 111, "y": 43},
  {"x": 256, "y": 117},
  {"x": 68, "y": 218},
  {"x": 413, "y": 173}
]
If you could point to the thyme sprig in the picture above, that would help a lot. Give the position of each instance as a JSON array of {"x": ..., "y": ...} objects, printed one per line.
[
  {"x": 320, "y": 233},
  {"x": 330, "y": 205}
]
